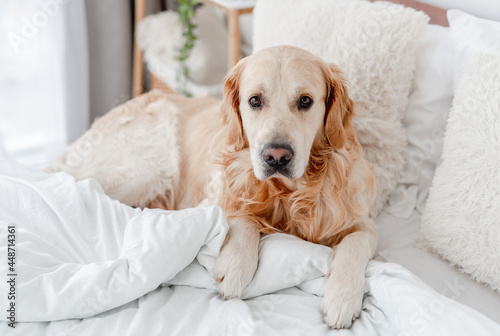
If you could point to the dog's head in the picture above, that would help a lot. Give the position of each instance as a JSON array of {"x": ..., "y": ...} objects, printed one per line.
[{"x": 279, "y": 102}]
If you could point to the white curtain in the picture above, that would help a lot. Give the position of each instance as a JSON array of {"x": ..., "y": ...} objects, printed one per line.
[{"x": 44, "y": 94}]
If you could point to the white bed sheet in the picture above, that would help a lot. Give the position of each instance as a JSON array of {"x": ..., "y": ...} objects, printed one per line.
[
  {"x": 397, "y": 244},
  {"x": 88, "y": 265}
]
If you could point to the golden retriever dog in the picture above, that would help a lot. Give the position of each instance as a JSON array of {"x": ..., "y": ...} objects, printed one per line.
[{"x": 278, "y": 154}]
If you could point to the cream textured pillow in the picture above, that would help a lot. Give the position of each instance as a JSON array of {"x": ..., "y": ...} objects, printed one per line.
[
  {"x": 461, "y": 221},
  {"x": 374, "y": 44}
]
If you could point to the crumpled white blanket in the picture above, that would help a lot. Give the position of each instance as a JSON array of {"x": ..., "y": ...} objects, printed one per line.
[{"x": 88, "y": 265}]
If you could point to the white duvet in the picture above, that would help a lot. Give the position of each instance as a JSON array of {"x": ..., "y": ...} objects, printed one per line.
[{"x": 88, "y": 265}]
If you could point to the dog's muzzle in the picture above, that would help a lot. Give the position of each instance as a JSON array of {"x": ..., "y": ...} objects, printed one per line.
[{"x": 277, "y": 158}]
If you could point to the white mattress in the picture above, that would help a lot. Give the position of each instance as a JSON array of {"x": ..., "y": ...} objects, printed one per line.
[{"x": 397, "y": 244}]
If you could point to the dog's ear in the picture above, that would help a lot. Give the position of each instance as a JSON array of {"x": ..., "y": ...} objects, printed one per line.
[
  {"x": 339, "y": 108},
  {"x": 231, "y": 115}
]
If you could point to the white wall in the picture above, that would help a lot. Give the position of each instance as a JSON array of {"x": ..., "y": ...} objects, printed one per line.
[{"x": 487, "y": 9}]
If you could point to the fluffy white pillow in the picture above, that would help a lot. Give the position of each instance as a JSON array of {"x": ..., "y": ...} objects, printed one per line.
[
  {"x": 374, "y": 44},
  {"x": 461, "y": 221},
  {"x": 425, "y": 120}
]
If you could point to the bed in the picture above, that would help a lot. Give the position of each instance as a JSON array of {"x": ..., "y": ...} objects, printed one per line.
[
  {"x": 81, "y": 263},
  {"x": 88, "y": 265}
]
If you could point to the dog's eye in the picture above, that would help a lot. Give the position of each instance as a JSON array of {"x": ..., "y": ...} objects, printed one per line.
[
  {"x": 305, "y": 102},
  {"x": 254, "y": 101}
]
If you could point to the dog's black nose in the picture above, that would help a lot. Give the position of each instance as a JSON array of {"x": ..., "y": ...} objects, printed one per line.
[{"x": 276, "y": 155}]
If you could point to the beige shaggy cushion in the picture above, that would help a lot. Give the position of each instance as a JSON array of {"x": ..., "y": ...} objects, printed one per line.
[
  {"x": 374, "y": 44},
  {"x": 461, "y": 221}
]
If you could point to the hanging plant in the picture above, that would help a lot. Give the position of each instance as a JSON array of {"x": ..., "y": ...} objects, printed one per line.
[{"x": 186, "y": 13}]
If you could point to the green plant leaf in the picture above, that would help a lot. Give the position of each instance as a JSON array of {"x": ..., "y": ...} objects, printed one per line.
[{"x": 186, "y": 12}]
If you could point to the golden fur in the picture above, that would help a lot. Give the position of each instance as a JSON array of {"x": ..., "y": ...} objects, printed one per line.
[{"x": 328, "y": 201}]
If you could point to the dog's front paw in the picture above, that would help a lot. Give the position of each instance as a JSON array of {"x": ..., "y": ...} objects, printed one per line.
[
  {"x": 235, "y": 268},
  {"x": 342, "y": 302}
]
